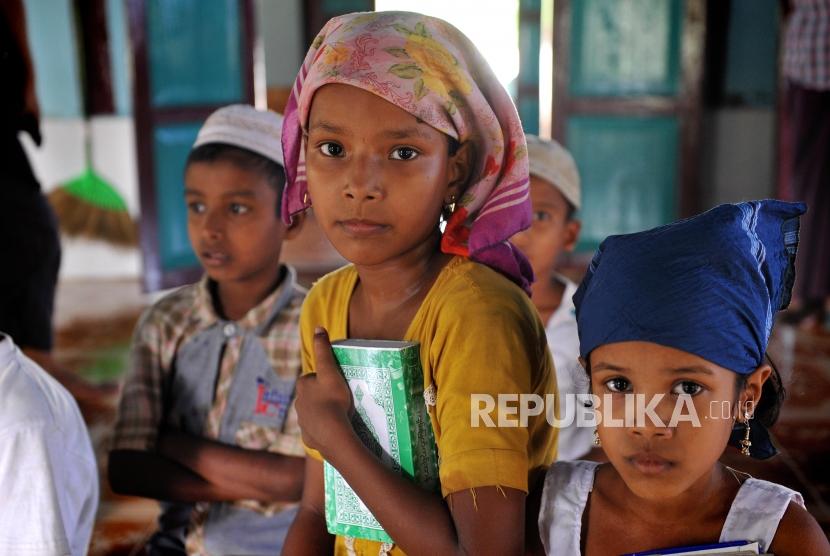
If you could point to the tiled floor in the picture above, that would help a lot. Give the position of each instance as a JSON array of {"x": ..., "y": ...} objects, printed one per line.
[{"x": 95, "y": 322}]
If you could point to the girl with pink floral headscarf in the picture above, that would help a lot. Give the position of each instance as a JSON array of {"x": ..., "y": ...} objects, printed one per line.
[{"x": 394, "y": 123}]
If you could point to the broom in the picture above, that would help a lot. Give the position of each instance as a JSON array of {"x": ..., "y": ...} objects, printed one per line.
[{"x": 88, "y": 206}]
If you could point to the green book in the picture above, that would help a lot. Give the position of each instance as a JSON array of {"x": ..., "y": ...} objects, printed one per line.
[{"x": 391, "y": 419}]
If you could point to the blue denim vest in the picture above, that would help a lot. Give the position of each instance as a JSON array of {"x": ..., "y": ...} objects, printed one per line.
[{"x": 257, "y": 397}]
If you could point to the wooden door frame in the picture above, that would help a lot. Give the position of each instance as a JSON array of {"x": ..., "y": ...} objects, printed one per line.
[
  {"x": 147, "y": 118},
  {"x": 686, "y": 105}
]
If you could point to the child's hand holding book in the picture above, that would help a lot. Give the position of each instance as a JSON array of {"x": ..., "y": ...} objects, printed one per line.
[{"x": 324, "y": 401}]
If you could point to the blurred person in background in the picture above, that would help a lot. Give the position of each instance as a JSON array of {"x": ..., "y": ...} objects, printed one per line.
[
  {"x": 555, "y": 194},
  {"x": 29, "y": 227},
  {"x": 31, "y": 248},
  {"x": 48, "y": 474},
  {"x": 806, "y": 70}
]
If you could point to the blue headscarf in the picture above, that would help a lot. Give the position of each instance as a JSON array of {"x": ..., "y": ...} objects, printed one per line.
[{"x": 708, "y": 285}]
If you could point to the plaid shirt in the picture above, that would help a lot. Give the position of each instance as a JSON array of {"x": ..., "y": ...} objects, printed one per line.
[
  {"x": 807, "y": 44},
  {"x": 171, "y": 323}
]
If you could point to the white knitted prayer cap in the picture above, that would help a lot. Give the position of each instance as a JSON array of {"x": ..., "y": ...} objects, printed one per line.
[
  {"x": 242, "y": 125},
  {"x": 553, "y": 163}
]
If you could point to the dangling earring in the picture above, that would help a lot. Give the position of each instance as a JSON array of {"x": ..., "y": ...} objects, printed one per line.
[
  {"x": 597, "y": 441},
  {"x": 449, "y": 204},
  {"x": 745, "y": 443}
]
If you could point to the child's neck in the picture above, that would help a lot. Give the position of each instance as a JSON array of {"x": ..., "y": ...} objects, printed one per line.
[
  {"x": 233, "y": 299},
  {"x": 709, "y": 495},
  {"x": 546, "y": 293},
  {"x": 388, "y": 294}
]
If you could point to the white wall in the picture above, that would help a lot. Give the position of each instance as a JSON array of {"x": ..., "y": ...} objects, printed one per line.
[
  {"x": 739, "y": 155},
  {"x": 54, "y": 46},
  {"x": 61, "y": 157},
  {"x": 280, "y": 26}
]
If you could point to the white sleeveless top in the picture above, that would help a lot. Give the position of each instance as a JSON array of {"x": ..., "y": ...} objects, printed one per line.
[{"x": 754, "y": 515}]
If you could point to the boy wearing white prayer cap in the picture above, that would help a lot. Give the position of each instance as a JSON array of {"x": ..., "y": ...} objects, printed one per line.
[
  {"x": 556, "y": 197},
  {"x": 206, "y": 421}
]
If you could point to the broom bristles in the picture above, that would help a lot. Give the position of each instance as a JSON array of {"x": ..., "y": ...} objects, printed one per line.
[{"x": 78, "y": 218}]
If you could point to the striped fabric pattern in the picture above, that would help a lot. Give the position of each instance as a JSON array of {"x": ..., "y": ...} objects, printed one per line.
[{"x": 807, "y": 44}]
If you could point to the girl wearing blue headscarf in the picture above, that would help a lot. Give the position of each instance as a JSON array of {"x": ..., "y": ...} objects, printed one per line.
[{"x": 673, "y": 327}]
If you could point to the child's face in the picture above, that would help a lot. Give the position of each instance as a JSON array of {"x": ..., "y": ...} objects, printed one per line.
[
  {"x": 550, "y": 232},
  {"x": 662, "y": 462},
  {"x": 377, "y": 176},
  {"x": 232, "y": 221}
]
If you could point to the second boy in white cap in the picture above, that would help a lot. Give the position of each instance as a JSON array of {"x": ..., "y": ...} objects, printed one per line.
[
  {"x": 206, "y": 421},
  {"x": 555, "y": 194}
]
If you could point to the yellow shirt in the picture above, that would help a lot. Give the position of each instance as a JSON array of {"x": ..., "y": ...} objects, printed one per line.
[{"x": 479, "y": 334}]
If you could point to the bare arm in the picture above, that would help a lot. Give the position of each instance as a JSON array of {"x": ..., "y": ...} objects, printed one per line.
[
  {"x": 151, "y": 475},
  {"x": 247, "y": 474},
  {"x": 308, "y": 534},
  {"x": 799, "y": 533},
  {"x": 489, "y": 520}
]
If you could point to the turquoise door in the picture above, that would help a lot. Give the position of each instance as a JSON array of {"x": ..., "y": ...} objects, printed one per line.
[
  {"x": 626, "y": 103},
  {"x": 190, "y": 57}
]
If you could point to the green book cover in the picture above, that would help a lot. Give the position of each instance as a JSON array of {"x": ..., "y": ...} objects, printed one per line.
[{"x": 391, "y": 419}]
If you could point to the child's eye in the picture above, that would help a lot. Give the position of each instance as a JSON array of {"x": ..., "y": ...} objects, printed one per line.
[
  {"x": 404, "y": 153},
  {"x": 196, "y": 208},
  {"x": 541, "y": 216},
  {"x": 618, "y": 384},
  {"x": 236, "y": 208},
  {"x": 330, "y": 149},
  {"x": 687, "y": 388}
]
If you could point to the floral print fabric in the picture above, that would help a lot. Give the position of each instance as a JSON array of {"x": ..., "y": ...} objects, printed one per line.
[{"x": 430, "y": 69}]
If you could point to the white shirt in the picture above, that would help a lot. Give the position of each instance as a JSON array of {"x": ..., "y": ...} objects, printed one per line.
[
  {"x": 754, "y": 516},
  {"x": 48, "y": 475},
  {"x": 563, "y": 342}
]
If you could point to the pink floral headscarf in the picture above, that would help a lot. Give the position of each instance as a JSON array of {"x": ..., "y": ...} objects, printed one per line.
[{"x": 430, "y": 69}]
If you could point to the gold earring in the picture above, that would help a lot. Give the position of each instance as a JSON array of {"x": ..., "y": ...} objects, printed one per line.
[
  {"x": 745, "y": 443},
  {"x": 305, "y": 198},
  {"x": 597, "y": 441},
  {"x": 449, "y": 204}
]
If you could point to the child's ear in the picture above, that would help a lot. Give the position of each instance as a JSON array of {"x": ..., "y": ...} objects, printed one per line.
[
  {"x": 572, "y": 229},
  {"x": 293, "y": 230},
  {"x": 460, "y": 167},
  {"x": 751, "y": 394}
]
